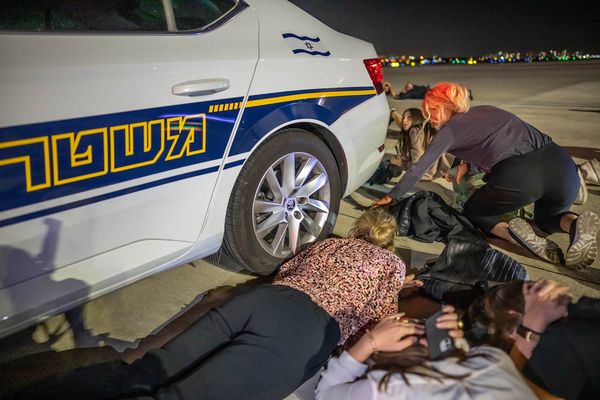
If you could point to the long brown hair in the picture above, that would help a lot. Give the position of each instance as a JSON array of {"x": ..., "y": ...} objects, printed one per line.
[
  {"x": 416, "y": 117},
  {"x": 422, "y": 127},
  {"x": 500, "y": 311},
  {"x": 413, "y": 360}
]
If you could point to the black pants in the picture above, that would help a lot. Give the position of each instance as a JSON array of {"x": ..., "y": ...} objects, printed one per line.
[
  {"x": 546, "y": 177},
  {"x": 261, "y": 344},
  {"x": 417, "y": 92}
]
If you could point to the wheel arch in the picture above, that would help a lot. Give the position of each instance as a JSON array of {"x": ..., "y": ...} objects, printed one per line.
[
  {"x": 326, "y": 136},
  {"x": 259, "y": 127}
]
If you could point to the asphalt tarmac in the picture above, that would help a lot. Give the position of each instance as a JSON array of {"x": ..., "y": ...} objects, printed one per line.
[{"x": 560, "y": 99}]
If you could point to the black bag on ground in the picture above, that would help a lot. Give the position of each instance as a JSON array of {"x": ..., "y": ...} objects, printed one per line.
[
  {"x": 425, "y": 217},
  {"x": 466, "y": 270},
  {"x": 384, "y": 173}
]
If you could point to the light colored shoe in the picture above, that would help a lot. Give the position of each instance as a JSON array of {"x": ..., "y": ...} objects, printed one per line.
[
  {"x": 544, "y": 248},
  {"x": 591, "y": 171},
  {"x": 582, "y": 195},
  {"x": 584, "y": 248}
]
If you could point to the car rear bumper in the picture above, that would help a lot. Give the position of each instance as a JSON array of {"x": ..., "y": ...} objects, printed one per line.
[{"x": 361, "y": 132}]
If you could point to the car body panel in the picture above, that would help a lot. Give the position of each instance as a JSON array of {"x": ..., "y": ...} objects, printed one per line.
[
  {"x": 102, "y": 140},
  {"x": 109, "y": 177}
]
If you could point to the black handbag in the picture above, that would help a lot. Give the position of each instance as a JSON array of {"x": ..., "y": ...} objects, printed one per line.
[
  {"x": 385, "y": 172},
  {"x": 466, "y": 270}
]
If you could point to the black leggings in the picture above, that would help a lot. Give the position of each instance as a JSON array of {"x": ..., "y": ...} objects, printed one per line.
[
  {"x": 546, "y": 177},
  {"x": 261, "y": 344}
]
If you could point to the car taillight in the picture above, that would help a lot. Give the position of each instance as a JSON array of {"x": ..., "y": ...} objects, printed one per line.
[{"x": 375, "y": 71}]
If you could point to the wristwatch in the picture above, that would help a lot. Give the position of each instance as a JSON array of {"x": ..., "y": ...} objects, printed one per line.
[{"x": 528, "y": 334}]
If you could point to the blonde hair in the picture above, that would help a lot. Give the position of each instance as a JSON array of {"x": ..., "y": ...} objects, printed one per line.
[
  {"x": 377, "y": 227},
  {"x": 443, "y": 101}
]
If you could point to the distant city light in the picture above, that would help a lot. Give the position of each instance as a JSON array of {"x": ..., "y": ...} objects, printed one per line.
[{"x": 499, "y": 57}]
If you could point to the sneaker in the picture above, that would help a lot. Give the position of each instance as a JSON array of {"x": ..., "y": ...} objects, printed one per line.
[
  {"x": 583, "y": 249},
  {"x": 590, "y": 171},
  {"x": 582, "y": 195},
  {"x": 523, "y": 233}
]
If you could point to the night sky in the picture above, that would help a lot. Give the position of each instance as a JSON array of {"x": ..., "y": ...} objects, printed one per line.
[{"x": 462, "y": 27}]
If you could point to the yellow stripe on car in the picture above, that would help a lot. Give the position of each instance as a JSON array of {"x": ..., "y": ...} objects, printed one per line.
[{"x": 287, "y": 98}]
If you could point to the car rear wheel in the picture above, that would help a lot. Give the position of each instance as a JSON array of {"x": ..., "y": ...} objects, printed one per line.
[{"x": 287, "y": 195}]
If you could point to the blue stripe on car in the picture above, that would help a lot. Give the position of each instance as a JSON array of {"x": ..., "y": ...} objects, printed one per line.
[{"x": 45, "y": 161}]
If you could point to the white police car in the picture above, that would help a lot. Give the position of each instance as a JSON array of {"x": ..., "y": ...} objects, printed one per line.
[{"x": 136, "y": 135}]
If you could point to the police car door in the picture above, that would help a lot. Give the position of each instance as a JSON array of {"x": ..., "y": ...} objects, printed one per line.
[{"x": 108, "y": 149}]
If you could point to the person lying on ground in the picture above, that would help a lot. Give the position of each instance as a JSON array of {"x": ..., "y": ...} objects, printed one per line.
[
  {"x": 522, "y": 166},
  {"x": 409, "y": 91},
  {"x": 551, "y": 339},
  {"x": 265, "y": 342},
  {"x": 402, "y": 369}
]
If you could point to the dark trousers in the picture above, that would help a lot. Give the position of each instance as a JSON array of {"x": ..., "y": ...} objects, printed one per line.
[
  {"x": 417, "y": 92},
  {"x": 546, "y": 178},
  {"x": 261, "y": 344}
]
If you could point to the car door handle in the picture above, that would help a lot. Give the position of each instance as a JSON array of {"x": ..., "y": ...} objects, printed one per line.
[{"x": 201, "y": 87}]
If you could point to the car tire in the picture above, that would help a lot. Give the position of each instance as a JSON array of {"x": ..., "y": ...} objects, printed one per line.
[{"x": 269, "y": 215}]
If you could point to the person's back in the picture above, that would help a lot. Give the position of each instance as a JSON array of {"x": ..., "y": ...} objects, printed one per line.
[
  {"x": 501, "y": 133},
  {"x": 331, "y": 271},
  {"x": 486, "y": 373},
  {"x": 491, "y": 374}
]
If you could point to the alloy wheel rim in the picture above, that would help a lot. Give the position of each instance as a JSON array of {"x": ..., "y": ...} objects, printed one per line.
[{"x": 291, "y": 204}]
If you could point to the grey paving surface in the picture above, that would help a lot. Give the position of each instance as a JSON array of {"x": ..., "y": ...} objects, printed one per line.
[{"x": 560, "y": 99}]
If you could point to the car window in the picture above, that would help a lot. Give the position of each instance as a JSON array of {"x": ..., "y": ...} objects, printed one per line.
[
  {"x": 109, "y": 15},
  {"x": 195, "y": 14}
]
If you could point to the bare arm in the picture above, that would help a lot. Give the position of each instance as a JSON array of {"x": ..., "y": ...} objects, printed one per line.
[{"x": 545, "y": 302}]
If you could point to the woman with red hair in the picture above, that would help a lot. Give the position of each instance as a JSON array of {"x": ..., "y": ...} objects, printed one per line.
[{"x": 522, "y": 165}]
